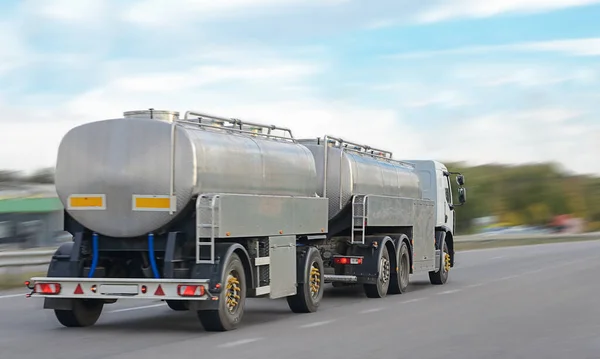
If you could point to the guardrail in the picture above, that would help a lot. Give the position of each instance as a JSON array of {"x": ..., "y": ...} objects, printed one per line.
[{"x": 28, "y": 258}]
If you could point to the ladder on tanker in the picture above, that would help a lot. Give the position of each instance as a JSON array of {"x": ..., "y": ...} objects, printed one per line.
[
  {"x": 207, "y": 219},
  {"x": 359, "y": 219}
]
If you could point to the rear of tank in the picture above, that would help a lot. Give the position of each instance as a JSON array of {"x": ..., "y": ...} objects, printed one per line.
[
  {"x": 123, "y": 157},
  {"x": 348, "y": 173}
]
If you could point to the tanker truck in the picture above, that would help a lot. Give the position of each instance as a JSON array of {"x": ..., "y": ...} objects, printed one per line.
[{"x": 204, "y": 211}]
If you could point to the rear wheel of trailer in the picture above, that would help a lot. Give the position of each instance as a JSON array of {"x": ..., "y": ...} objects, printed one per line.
[
  {"x": 84, "y": 313},
  {"x": 232, "y": 299},
  {"x": 310, "y": 291}
]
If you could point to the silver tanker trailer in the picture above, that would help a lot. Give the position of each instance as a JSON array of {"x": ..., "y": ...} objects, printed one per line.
[{"x": 205, "y": 211}]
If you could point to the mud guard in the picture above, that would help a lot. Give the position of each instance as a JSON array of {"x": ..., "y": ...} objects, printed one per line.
[
  {"x": 443, "y": 234},
  {"x": 302, "y": 255},
  {"x": 65, "y": 263},
  {"x": 368, "y": 271},
  {"x": 214, "y": 272}
]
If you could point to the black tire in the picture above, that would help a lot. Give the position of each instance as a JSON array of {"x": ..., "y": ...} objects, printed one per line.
[
  {"x": 178, "y": 305},
  {"x": 400, "y": 280},
  {"x": 440, "y": 277},
  {"x": 85, "y": 313},
  {"x": 224, "y": 319},
  {"x": 380, "y": 289},
  {"x": 307, "y": 299}
]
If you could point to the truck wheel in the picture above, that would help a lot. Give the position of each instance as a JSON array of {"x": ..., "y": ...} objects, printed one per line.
[
  {"x": 310, "y": 292},
  {"x": 400, "y": 280},
  {"x": 232, "y": 299},
  {"x": 178, "y": 305},
  {"x": 441, "y": 276},
  {"x": 85, "y": 313},
  {"x": 379, "y": 290}
]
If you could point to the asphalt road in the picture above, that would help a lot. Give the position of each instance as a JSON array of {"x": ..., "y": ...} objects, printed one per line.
[{"x": 521, "y": 302}]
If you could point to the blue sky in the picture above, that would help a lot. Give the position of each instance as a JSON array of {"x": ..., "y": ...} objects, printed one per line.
[{"x": 496, "y": 81}]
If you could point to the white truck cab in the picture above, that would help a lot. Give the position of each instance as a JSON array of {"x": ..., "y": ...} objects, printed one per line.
[{"x": 436, "y": 185}]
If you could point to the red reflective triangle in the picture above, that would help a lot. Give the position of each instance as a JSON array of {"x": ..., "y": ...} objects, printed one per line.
[
  {"x": 159, "y": 291},
  {"x": 78, "y": 290}
]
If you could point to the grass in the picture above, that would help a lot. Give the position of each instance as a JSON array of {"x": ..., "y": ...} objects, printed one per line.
[{"x": 11, "y": 281}]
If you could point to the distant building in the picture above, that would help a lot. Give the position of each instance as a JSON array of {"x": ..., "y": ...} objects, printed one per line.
[{"x": 30, "y": 215}]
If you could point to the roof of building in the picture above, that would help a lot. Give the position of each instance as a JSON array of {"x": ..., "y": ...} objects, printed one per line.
[
  {"x": 20, "y": 198},
  {"x": 30, "y": 205}
]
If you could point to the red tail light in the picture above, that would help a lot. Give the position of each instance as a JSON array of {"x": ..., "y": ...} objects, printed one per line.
[
  {"x": 185, "y": 290},
  {"x": 47, "y": 288},
  {"x": 347, "y": 260}
]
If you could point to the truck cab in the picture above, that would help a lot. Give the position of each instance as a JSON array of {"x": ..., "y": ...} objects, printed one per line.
[{"x": 437, "y": 187}]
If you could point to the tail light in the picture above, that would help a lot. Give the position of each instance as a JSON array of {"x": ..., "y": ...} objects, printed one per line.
[
  {"x": 185, "y": 290},
  {"x": 47, "y": 288},
  {"x": 343, "y": 260}
]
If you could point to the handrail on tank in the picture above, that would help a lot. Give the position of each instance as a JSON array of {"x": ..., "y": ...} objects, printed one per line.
[
  {"x": 237, "y": 123},
  {"x": 366, "y": 149}
]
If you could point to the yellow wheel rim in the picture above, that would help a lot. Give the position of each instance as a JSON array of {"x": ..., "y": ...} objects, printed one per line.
[
  {"x": 315, "y": 280},
  {"x": 447, "y": 262},
  {"x": 232, "y": 297}
]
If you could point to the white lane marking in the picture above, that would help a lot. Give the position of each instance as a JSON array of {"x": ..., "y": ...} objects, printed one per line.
[
  {"x": 449, "y": 291},
  {"x": 136, "y": 308},
  {"x": 317, "y": 324},
  {"x": 475, "y": 285},
  {"x": 239, "y": 342},
  {"x": 372, "y": 310},
  {"x": 498, "y": 257},
  {"x": 13, "y": 296},
  {"x": 536, "y": 271},
  {"x": 412, "y": 300}
]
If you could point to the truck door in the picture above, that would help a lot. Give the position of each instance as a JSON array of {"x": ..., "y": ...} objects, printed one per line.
[{"x": 449, "y": 213}]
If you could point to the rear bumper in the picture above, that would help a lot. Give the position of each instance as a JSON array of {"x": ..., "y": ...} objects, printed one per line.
[{"x": 120, "y": 288}]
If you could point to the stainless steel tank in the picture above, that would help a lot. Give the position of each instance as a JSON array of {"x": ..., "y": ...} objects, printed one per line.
[
  {"x": 130, "y": 156},
  {"x": 356, "y": 171}
]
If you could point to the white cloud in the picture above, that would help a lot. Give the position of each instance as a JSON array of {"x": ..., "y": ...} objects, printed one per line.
[
  {"x": 286, "y": 86},
  {"x": 418, "y": 95},
  {"x": 13, "y": 51},
  {"x": 573, "y": 47},
  {"x": 162, "y": 12},
  {"x": 523, "y": 74},
  {"x": 444, "y": 10},
  {"x": 71, "y": 11},
  {"x": 540, "y": 135}
]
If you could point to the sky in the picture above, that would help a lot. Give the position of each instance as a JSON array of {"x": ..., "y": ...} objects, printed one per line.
[{"x": 495, "y": 81}]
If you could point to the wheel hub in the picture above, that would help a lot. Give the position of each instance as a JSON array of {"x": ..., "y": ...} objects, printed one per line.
[
  {"x": 405, "y": 270},
  {"x": 315, "y": 280},
  {"x": 384, "y": 276},
  {"x": 446, "y": 262},
  {"x": 232, "y": 297}
]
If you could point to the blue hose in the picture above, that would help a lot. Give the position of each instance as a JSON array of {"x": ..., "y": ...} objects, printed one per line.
[
  {"x": 94, "y": 255},
  {"x": 151, "y": 255}
]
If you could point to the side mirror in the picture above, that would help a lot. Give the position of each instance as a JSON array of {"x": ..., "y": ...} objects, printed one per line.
[
  {"x": 462, "y": 195},
  {"x": 460, "y": 179}
]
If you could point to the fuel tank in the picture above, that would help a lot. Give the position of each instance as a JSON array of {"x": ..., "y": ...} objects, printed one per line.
[
  {"x": 356, "y": 171},
  {"x": 124, "y": 157}
]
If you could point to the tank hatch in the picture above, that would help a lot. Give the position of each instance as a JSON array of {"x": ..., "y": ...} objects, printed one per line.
[{"x": 160, "y": 115}]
